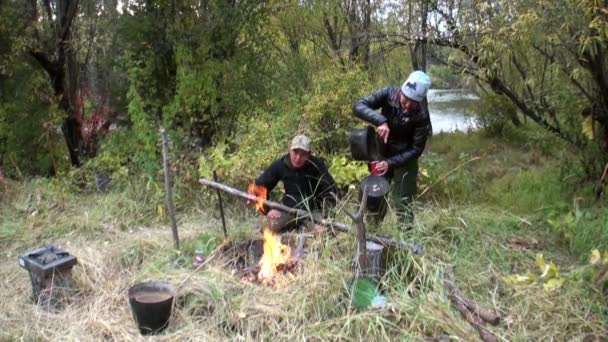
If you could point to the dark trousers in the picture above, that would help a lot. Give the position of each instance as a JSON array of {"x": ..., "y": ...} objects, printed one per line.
[
  {"x": 404, "y": 191},
  {"x": 289, "y": 222}
]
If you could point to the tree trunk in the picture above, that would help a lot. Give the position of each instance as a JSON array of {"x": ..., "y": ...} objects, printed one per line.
[
  {"x": 62, "y": 69},
  {"x": 375, "y": 265}
]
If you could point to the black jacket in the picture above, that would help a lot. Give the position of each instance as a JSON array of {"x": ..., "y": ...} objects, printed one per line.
[
  {"x": 306, "y": 188},
  {"x": 408, "y": 131}
]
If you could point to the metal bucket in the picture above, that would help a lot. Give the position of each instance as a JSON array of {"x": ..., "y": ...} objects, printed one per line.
[
  {"x": 151, "y": 303},
  {"x": 366, "y": 145}
]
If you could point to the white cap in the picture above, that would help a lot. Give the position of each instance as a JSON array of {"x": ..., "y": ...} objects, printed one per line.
[
  {"x": 300, "y": 142},
  {"x": 416, "y": 86}
]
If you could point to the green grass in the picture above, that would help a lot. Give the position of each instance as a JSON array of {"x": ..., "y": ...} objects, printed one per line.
[{"x": 464, "y": 221}]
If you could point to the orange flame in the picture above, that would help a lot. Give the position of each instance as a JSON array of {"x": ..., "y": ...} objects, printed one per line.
[
  {"x": 261, "y": 193},
  {"x": 275, "y": 254}
]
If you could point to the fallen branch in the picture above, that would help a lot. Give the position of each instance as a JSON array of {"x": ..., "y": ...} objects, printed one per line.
[
  {"x": 337, "y": 226},
  {"x": 473, "y": 313}
]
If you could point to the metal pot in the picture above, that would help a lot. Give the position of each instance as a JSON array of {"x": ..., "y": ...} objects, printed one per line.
[
  {"x": 377, "y": 189},
  {"x": 366, "y": 145}
]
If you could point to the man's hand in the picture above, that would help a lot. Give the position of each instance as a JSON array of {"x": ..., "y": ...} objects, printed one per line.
[
  {"x": 383, "y": 132},
  {"x": 274, "y": 214},
  {"x": 381, "y": 168},
  {"x": 319, "y": 228}
]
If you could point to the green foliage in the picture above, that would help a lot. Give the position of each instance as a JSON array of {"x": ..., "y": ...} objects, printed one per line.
[
  {"x": 346, "y": 172},
  {"x": 29, "y": 141},
  {"x": 581, "y": 229},
  {"x": 259, "y": 142},
  {"x": 445, "y": 78},
  {"x": 493, "y": 113},
  {"x": 328, "y": 113}
]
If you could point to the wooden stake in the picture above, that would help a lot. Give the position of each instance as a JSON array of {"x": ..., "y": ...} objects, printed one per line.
[
  {"x": 337, "y": 226},
  {"x": 362, "y": 263},
  {"x": 168, "y": 191},
  {"x": 221, "y": 203}
]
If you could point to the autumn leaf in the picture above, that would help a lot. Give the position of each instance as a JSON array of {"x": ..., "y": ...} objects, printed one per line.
[
  {"x": 595, "y": 257},
  {"x": 553, "y": 284},
  {"x": 518, "y": 280},
  {"x": 540, "y": 261},
  {"x": 587, "y": 128},
  {"x": 551, "y": 271}
]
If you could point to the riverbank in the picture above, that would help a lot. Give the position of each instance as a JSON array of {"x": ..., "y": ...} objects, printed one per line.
[{"x": 489, "y": 206}]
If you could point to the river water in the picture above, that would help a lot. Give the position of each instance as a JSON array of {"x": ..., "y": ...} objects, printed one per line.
[{"x": 451, "y": 110}]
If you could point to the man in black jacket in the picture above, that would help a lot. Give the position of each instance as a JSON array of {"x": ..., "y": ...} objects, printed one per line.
[
  {"x": 306, "y": 181},
  {"x": 404, "y": 125}
]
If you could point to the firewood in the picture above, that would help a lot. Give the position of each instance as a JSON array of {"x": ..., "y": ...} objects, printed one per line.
[
  {"x": 473, "y": 313},
  {"x": 487, "y": 315}
]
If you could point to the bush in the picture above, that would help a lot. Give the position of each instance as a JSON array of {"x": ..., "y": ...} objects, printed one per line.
[
  {"x": 328, "y": 112},
  {"x": 493, "y": 114}
]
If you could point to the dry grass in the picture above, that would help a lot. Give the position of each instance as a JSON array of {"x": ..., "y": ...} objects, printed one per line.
[{"x": 215, "y": 305}]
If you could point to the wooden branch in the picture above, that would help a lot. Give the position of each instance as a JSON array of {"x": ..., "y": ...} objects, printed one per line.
[
  {"x": 168, "y": 191},
  {"x": 361, "y": 240},
  {"x": 473, "y": 313},
  {"x": 299, "y": 253},
  {"x": 221, "y": 204},
  {"x": 70, "y": 14},
  {"x": 337, "y": 226},
  {"x": 487, "y": 315}
]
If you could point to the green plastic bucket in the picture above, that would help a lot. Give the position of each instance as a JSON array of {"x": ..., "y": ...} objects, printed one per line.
[{"x": 364, "y": 290}]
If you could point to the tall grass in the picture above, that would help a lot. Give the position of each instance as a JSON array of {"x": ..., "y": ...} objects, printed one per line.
[{"x": 122, "y": 237}]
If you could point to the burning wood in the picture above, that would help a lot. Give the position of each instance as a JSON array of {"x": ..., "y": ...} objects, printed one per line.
[
  {"x": 260, "y": 193},
  {"x": 276, "y": 257}
]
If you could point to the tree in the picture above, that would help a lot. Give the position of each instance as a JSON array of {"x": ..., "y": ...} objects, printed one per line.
[{"x": 548, "y": 58}]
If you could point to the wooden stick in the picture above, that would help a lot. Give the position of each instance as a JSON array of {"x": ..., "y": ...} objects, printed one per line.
[
  {"x": 163, "y": 135},
  {"x": 337, "y": 226},
  {"x": 487, "y": 315},
  {"x": 363, "y": 264},
  {"x": 485, "y": 335},
  {"x": 221, "y": 203},
  {"x": 299, "y": 253},
  {"x": 472, "y": 313}
]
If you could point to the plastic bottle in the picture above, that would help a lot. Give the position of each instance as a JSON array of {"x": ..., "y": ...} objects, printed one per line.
[{"x": 199, "y": 255}]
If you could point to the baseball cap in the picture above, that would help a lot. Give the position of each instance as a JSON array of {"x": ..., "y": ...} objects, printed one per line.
[{"x": 300, "y": 142}]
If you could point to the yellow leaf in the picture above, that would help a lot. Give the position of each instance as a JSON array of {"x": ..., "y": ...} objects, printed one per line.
[
  {"x": 518, "y": 280},
  {"x": 551, "y": 271},
  {"x": 587, "y": 129},
  {"x": 540, "y": 261},
  {"x": 553, "y": 284},
  {"x": 595, "y": 257},
  {"x": 424, "y": 172}
]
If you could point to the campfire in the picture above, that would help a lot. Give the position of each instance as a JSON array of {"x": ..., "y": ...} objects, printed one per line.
[{"x": 277, "y": 258}]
